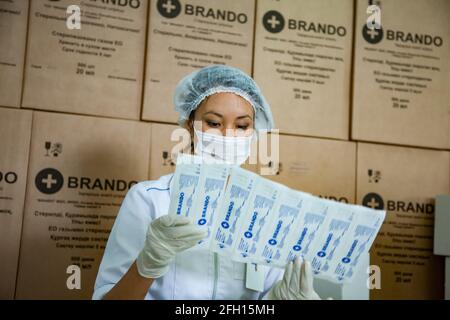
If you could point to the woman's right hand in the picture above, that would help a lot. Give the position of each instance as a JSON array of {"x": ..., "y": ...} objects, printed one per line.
[{"x": 166, "y": 236}]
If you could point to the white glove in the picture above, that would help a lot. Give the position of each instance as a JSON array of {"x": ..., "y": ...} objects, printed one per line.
[
  {"x": 166, "y": 236},
  {"x": 297, "y": 283}
]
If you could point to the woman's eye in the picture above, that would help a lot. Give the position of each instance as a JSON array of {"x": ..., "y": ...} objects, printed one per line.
[
  {"x": 242, "y": 127},
  {"x": 213, "y": 124}
]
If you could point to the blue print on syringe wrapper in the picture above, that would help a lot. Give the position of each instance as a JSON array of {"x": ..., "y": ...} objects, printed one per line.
[
  {"x": 258, "y": 213},
  {"x": 240, "y": 185},
  {"x": 357, "y": 242},
  {"x": 183, "y": 187},
  {"x": 210, "y": 189},
  {"x": 307, "y": 229},
  {"x": 276, "y": 234},
  {"x": 332, "y": 234}
]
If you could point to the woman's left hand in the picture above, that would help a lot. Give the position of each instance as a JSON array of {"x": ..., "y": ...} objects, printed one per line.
[{"x": 297, "y": 283}]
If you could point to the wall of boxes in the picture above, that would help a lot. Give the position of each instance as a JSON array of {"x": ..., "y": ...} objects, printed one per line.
[{"x": 364, "y": 117}]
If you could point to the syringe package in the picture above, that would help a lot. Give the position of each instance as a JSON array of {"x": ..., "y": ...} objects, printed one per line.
[
  {"x": 233, "y": 204},
  {"x": 310, "y": 220},
  {"x": 185, "y": 181},
  {"x": 211, "y": 186},
  {"x": 358, "y": 241},
  {"x": 257, "y": 214},
  {"x": 252, "y": 219},
  {"x": 280, "y": 233},
  {"x": 330, "y": 237}
]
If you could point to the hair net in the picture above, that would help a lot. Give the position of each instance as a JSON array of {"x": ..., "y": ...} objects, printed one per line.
[{"x": 198, "y": 85}]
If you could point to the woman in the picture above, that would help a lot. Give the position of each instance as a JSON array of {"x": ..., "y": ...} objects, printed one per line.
[{"x": 152, "y": 255}]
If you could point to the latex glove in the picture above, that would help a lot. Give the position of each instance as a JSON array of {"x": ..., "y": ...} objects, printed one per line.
[
  {"x": 297, "y": 283},
  {"x": 166, "y": 236}
]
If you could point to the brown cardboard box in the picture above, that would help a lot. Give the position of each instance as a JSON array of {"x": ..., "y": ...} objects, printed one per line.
[
  {"x": 325, "y": 168},
  {"x": 401, "y": 87},
  {"x": 97, "y": 70},
  {"x": 302, "y": 63},
  {"x": 13, "y": 30},
  {"x": 80, "y": 169},
  {"x": 187, "y": 35},
  {"x": 404, "y": 182},
  {"x": 15, "y": 133}
]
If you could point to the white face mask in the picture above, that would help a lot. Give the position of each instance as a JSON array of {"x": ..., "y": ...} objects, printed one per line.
[{"x": 215, "y": 148}]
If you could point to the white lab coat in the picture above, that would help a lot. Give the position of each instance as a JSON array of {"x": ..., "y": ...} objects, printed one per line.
[{"x": 196, "y": 273}]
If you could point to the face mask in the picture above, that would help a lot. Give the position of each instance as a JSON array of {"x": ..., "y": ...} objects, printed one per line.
[{"x": 215, "y": 148}]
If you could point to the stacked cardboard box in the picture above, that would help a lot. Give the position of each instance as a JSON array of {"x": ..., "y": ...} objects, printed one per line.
[
  {"x": 13, "y": 31},
  {"x": 80, "y": 169},
  {"x": 15, "y": 133},
  {"x": 302, "y": 63},
  {"x": 95, "y": 70},
  {"x": 401, "y": 74},
  {"x": 404, "y": 182}
]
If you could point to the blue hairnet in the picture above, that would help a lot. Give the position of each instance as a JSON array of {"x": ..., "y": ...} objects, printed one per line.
[{"x": 198, "y": 85}]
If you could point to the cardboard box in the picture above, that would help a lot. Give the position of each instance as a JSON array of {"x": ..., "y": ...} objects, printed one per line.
[
  {"x": 325, "y": 168},
  {"x": 13, "y": 31},
  {"x": 80, "y": 170},
  {"x": 15, "y": 133},
  {"x": 400, "y": 92},
  {"x": 442, "y": 226},
  {"x": 303, "y": 62},
  {"x": 404, "y": 182},
  {"x": 185, "y": 36},
  {"x": 95, "y": 70}
]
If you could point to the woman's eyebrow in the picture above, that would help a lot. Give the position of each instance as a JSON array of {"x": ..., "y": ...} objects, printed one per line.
[
  {"x": 217, "y": 114},
  {"x": 246, "y": 116}
]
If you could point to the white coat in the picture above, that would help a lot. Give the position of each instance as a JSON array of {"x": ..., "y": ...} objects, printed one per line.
[{"x": 196, "y": 273}]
